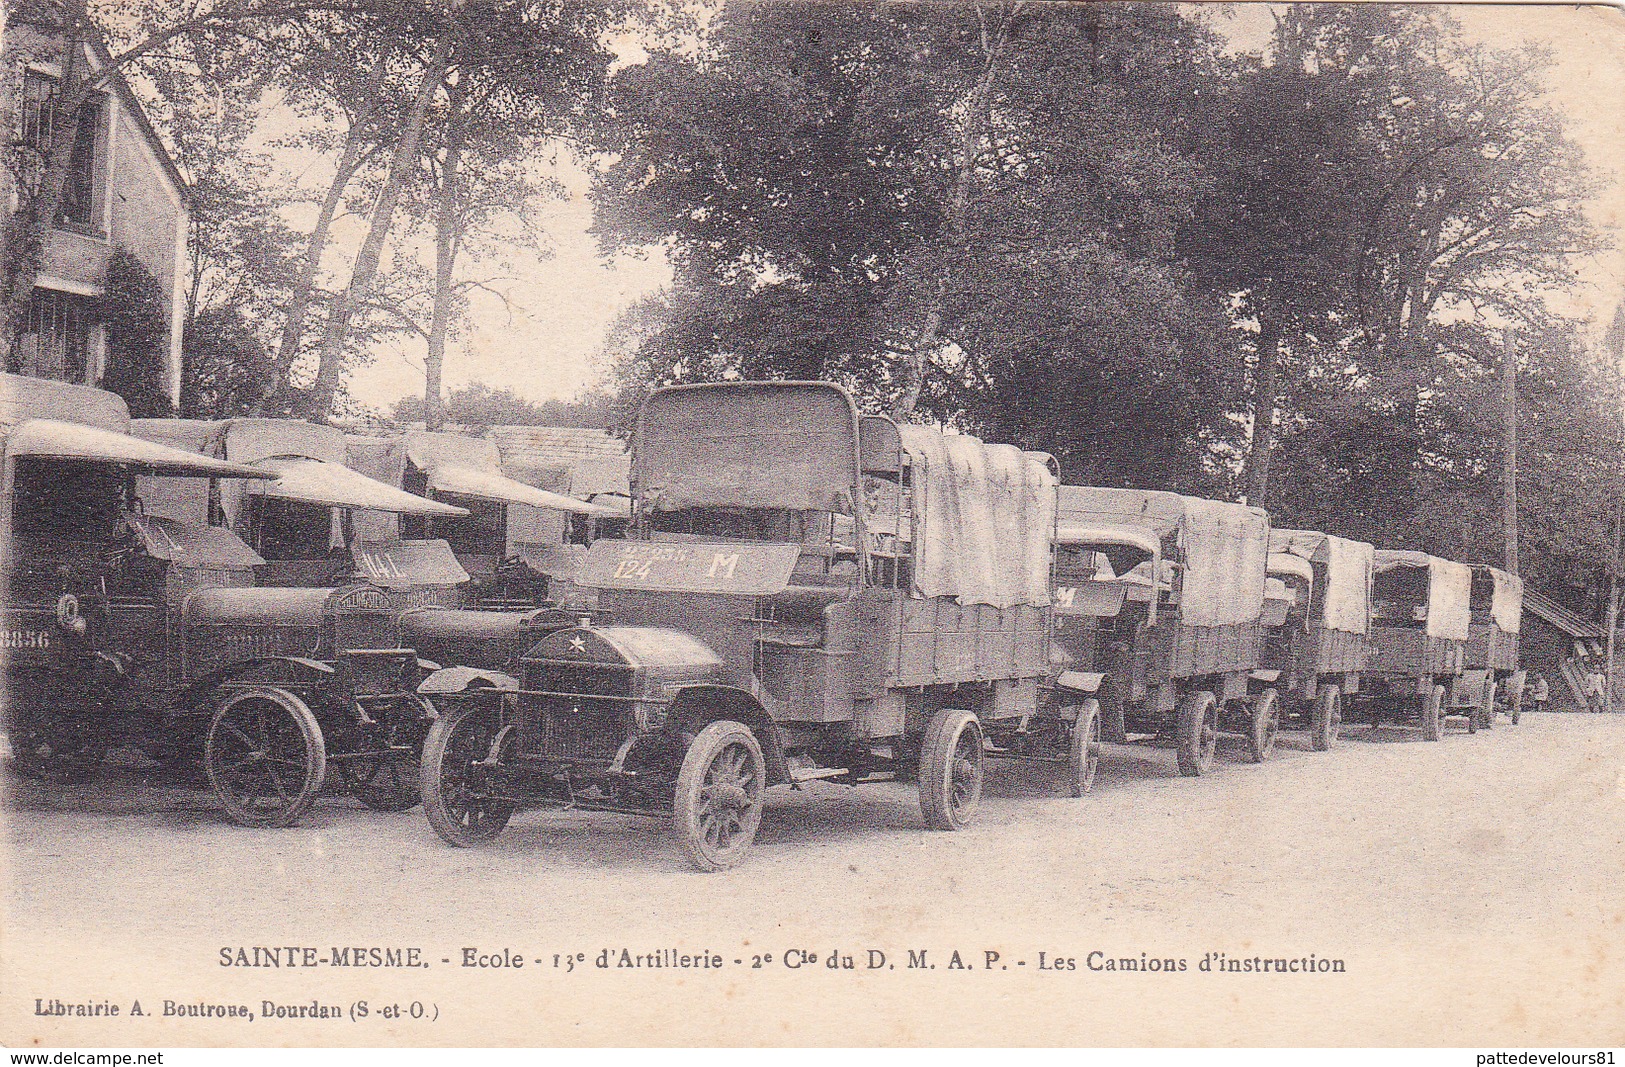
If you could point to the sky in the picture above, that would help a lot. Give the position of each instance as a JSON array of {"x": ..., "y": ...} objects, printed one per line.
[{"x": 546, "y": 342}]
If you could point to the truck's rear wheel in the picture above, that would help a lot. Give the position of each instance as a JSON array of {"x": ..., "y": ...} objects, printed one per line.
[
  {"x": 1084, "y": 758},
  {"x": 264, "y": 757},
  {"x": 453, "y": 789},
  {"x": 951, "y": 769},
  {"x": 1265, "y": 726},
  {"x": 1488, "y": 710},
  {"x": 1198, "y": 733},
  {"x": 1328, "y": 718},
  {"x": 1433, "y": 714},
  {"x": 718, "y": 805}
]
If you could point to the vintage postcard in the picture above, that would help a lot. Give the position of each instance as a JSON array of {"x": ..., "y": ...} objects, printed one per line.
[{"x": 773, "y": 523}]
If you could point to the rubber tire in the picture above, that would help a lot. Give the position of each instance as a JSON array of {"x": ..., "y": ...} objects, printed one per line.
[
  {"x": 1265, "y": 726},
  {"x": 472, "y": 738},
  {"x": 1083, "y": 759},
  {"x": 1328, "y": 718},
  {"x": 1433, "y": 714},
  {"x": 1490, "y": 690},
  {"x": 313, "y": 762},
  {"x": 1198, "y": 733},
  {"x": 939, "y": 763},
  {"x": 692, "y": 780}
]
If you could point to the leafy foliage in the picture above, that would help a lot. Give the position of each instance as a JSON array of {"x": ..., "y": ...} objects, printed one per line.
[{"x": 131, "y": 308}]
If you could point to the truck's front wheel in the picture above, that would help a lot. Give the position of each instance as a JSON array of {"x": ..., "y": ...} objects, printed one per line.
[
  {"x": 718, "y": 804},
  {"x": 453, "y": 787},
  {"x": 951, "y": 768}
]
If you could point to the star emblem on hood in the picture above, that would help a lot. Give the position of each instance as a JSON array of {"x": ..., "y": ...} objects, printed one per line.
[{"x": 577, "y": 644}]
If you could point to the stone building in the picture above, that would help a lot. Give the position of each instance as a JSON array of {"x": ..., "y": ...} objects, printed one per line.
[{"x": 123, "y": 191}]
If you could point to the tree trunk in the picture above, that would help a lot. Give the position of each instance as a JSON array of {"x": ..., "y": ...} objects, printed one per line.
[
  {"x": 402, "y": 161},
  {"x": 350, "y": 160},
  {"x": 1264, "y": 395},
  {"x": 28, "y": 231},
  {"x": 1509, "y": 473},
  {"x": 976, "y": 119},
  {"x": 448, "y": 237}
]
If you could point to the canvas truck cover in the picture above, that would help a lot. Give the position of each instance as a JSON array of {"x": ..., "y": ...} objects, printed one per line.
[
  {"x": 303, "y": 462},
  {"x": 50, "y": 439},
  {"x": 23, "y": 398},
  {"x": 1224, "y": 547},
  {"x": 1346, "y": 603},
  {"x": 1450, "y": 586},
  {"x": 1506, "y": 607},
  {"x": 472, "y": 466},
  {"x": 983, "y": 516},
  {"x": 790, "y": 445}
]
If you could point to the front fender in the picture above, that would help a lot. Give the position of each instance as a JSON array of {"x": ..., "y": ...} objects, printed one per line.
[
  {"x": 451, "y": 680},
  {"x": 698, "y": 705},
  {"x": 271, "y": 670},
  {"x": 1080, "y": 681}
]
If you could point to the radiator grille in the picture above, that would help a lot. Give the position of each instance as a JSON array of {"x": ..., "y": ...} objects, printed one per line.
[
  {"x": 210, "y": 648},
  {"x": 584, "y": 731}
]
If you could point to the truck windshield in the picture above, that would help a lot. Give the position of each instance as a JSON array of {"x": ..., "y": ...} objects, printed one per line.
[
  {"x": 482, "y": 532},
  {"x": 285, "y": 530},
  {"x": 66, "y": 501}
]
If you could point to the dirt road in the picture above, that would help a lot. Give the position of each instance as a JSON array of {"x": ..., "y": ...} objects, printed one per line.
[{"x": 1471, "y": 892}]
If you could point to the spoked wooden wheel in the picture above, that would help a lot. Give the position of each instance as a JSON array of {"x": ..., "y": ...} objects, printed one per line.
[
  {"x": 390, "y": 779},
  {"x": 952, "y": 764},
  {"x": 1198, "y": 733},
  {"x": 1433, "y": 714},
  {"x": 1328, "y": 718},
  {"x": 718, "y": 804},
  {"x": 453, "y": 787},
  {"x": 264, "y": 757},
  {"x": 1084, "y": 759},
  {"x": 1265, "y": 726},
  {"x": 387, "y": 782}
]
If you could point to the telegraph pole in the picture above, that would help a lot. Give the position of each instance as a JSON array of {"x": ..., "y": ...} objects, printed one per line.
[{"x": 1509, "y": 473}]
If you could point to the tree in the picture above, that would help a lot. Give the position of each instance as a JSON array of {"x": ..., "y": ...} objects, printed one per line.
[
  {"x": 70, "y": 32},
  {"x": 961, "y": 211},
  {"x": 479, "y": 405},
  {"x": 521, "y": 77},
  {"x": 131, "y": 309}
]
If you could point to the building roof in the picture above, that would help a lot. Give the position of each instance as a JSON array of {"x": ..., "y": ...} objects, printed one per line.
[
  {"x": 596, "y": 460},
  {"x": 103, "y": 58},
  {"x": 1572, "y": 623},
  {"x": 133, "y": 108}
]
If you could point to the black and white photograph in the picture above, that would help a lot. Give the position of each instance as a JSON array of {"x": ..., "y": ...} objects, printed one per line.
[{"x": 812, "y": 523}]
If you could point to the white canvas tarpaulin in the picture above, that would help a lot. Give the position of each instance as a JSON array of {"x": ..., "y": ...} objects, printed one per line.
[
  {"x": 1348, "y": 585},
  {"x": 1450, "y": 587},
  {"x": 1346, "y": 599},
  {"x": 472, "y": 466},
  {"x": 983, "y": 517},
  {"x": 1223, "y": 548},
  {"x": 1507, "y": 606}
]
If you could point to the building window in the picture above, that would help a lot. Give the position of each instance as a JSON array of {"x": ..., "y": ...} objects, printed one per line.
[
  {"x": 40, "y": 121},
  {"x": 55, "y": 339}
]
